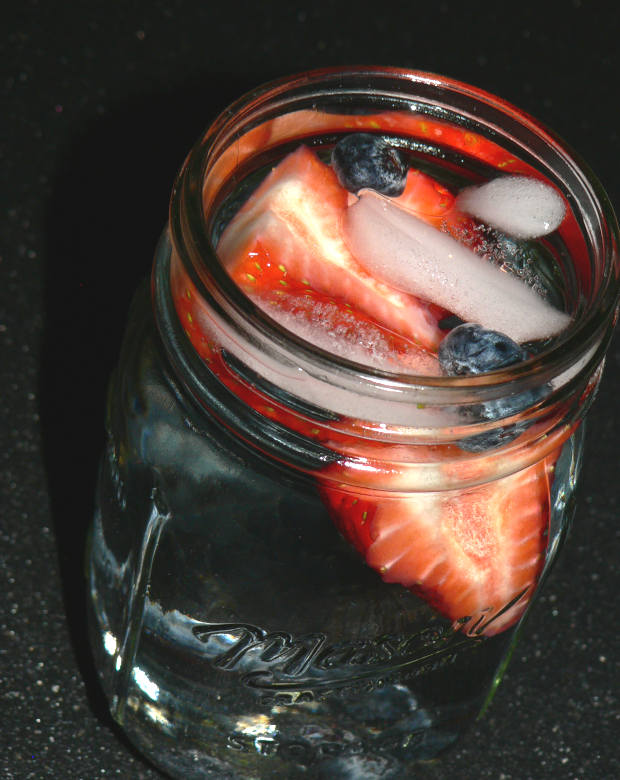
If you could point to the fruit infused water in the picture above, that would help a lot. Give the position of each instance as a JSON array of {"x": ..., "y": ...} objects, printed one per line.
[{"x": 343, "y": 451}]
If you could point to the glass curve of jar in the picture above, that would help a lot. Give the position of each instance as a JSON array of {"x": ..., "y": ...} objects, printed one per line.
[{"x": 237, "y": 630}]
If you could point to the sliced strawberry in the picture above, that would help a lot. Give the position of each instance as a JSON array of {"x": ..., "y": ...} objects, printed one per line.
[
  {"x": 327, "y": 321},
  {"x": 475, "y": 554},
  {"x": 430, "y": 201},
  {"x": 406, "y": 124},
  {"x": 426, "y": 198},
  {"x": 353, "y": 516},
  {"x": 195, "y": 318},
  {"x": 296, "y": 217}
]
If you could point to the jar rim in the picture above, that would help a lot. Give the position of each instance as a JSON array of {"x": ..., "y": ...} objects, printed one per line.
[{"x": 583, "y": 342}]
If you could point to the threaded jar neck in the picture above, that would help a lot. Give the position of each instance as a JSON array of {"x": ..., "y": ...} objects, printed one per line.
[{"x": 316, "y": 108}]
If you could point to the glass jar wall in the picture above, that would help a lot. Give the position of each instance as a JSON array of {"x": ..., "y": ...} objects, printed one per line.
[{"x": 238, "y": 623}]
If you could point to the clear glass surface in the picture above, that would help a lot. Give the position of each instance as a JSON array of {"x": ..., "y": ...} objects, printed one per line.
[{"x": 237, "y": 632}]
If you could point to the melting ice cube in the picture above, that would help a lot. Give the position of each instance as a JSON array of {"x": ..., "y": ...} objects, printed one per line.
[
  {"x": 518, "y": 205},
  {"x": 409, "y": 254},
  {"x": 330, "y": 326}
]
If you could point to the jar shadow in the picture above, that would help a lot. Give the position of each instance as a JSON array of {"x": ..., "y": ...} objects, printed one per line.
[{"x": 108, "y": 206}]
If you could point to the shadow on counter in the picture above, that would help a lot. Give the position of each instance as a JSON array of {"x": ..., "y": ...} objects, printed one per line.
[{"x": 108, "y": 207}]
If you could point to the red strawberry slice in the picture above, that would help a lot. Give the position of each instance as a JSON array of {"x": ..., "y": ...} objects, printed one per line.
[
  {"x": 475, "y": 554},
  {"x": 430, "y": 201},
  {"x": 296, "y": 217},
  {"x": 327, "y": 321},
  {"x": 307, "y": 123},
  {"x": 426, "y": 197}
]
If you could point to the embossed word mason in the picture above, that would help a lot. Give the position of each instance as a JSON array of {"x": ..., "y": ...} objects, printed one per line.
[{"x": 278, "y": 661}]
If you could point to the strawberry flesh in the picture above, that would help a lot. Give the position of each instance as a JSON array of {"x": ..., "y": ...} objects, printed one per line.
[
  {"x": 329, "y": 322},
  {"x": 296, "y": 215},
  {"x": 426, "y": 198},
  {"x": 469, "y": 553}
]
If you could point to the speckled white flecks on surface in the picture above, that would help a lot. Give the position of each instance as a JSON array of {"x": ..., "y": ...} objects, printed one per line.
[{"x": 100, "y": 104}]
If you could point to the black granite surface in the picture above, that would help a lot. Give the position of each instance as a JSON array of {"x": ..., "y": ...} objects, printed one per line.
[{"x": 100, "y": 102}]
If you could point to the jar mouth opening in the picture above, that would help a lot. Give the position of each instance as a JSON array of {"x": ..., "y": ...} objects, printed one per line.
[{"x": 581, "y": 344}]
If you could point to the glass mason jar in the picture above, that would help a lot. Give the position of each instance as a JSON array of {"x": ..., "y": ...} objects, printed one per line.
[{"x": 238, "y": 624}]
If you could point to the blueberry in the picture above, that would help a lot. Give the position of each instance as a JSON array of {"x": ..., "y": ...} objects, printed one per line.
[
  {"x": 449, "y": 322},
  {"x": 471, "y": 349},
  {"x": 363, "y": 160},
  {"x": 481, "y": 442}
]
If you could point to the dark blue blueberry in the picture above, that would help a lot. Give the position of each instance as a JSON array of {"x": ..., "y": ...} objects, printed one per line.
[
  {"x": 481, "y": 442},
  {"x": 449, "y": 322},
  {"x": 471, "y": 349},
  {"x": 362, "y": 160}
]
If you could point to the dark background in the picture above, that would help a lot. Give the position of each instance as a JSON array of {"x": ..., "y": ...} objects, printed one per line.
[{"x": 101, "y": 102}]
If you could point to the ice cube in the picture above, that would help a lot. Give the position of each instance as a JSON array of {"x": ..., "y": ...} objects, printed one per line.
[
  {"x": 402, "y": 250},
  {"x": 333, "y": 328},
  {"x": 521, "y": 206}
]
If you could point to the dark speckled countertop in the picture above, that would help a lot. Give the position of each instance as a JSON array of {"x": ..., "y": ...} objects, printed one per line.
[{"x": 101, "y": 101}]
